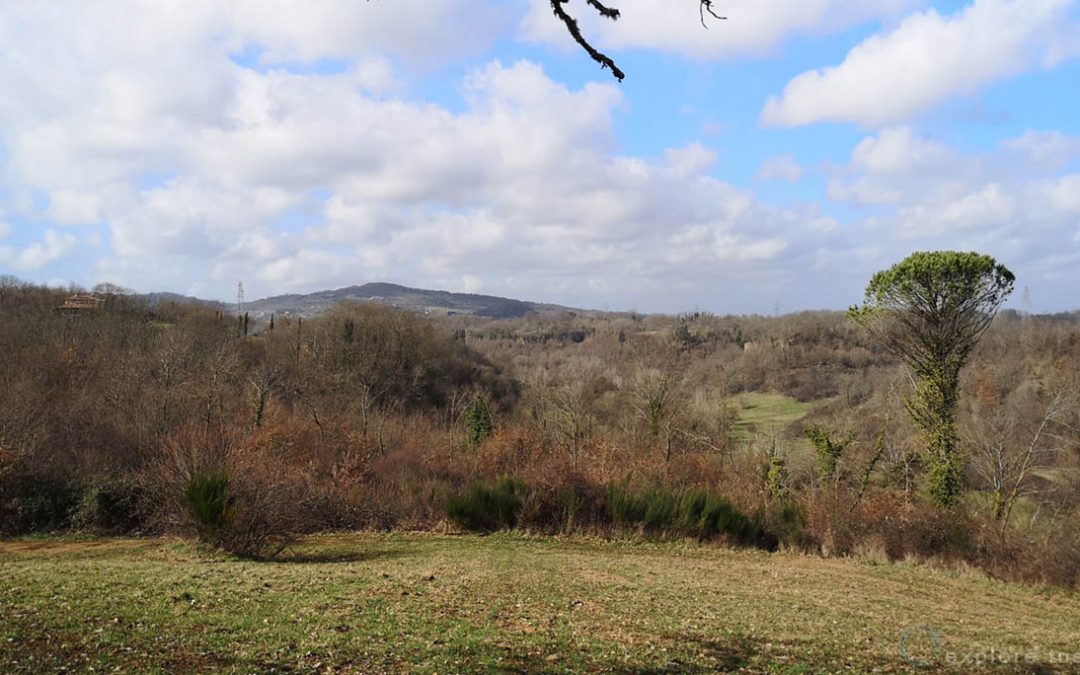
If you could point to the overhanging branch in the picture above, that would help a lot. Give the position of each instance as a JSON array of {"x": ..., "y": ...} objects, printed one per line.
[
  {"x": 606, "y": 12},
  {"x": 605, "y": 61},
  {"x": 706, "y": 6},
  {"x": 571, "y": 25}
]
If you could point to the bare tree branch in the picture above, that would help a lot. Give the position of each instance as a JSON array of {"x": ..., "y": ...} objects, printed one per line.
[
  {"x": 612, "y": 13},
  {"x": 606, "y": 12},
  {"x": 706, "y": 6},
  {"x": 571, "y": 25}
]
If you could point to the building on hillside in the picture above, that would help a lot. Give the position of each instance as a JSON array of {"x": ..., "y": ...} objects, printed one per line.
[{"x": 80, "y": 302}]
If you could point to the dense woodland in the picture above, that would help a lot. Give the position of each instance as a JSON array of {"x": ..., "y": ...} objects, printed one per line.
[{"x": 141, "y": 418}]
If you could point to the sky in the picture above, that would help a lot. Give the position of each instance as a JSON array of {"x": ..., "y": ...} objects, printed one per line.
[{"x": 772, "y": 161}]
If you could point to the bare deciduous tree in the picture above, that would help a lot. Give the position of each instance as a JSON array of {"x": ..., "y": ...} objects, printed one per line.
[
  {"x": 1014, "y": 439},
  {"x": 658, "y": 395},
  {"x": 263, "y": 379}
]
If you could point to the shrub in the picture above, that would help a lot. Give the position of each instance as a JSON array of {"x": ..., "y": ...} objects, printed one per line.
[
  {"x": 707, "y": 515},
  {"x": 232, "y": 495},
  {"x": 584, "y": 505},
  {"x": 255, "y": 515},
  {"x": 692, "y": 513},
  {"x": 695, "y": 507},
  {"x": 36, "y": 502},
  {"x": 929, "y": 532},
  {"x": 1057, "y": 559},
  {"x": 827, "y": 447},
  {"x": 788, "y": 523},
  {"x": 112, "y": 507},
  {"x": 661, "y": 509},
  {"x": 624, "y": 507},
  {"x": 266, "y": 516},
  {"x": 907, "y": 526},
  {"x": 569, "y": 504},
  {"x": 211, "y": 504},
  {"x": 478, "y": 424},
  {"x": 776, "y": 477},
  {"x": 484, "y": 508},
  {"x": 835, "y": 524}
]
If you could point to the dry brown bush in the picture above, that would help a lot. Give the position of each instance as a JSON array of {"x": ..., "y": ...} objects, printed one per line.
[{"x": 269, "y": 497}]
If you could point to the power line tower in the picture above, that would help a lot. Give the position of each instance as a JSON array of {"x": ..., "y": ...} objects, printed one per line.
[{"x": 241, "y": 314}]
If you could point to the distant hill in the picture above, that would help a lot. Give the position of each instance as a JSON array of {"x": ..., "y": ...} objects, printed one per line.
[
  {"x": 414, "y": 299},
  {"x": 164, "y": 298}
]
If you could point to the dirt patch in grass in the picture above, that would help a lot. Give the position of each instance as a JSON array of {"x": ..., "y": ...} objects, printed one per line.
[{"x": 77, "y": 546}]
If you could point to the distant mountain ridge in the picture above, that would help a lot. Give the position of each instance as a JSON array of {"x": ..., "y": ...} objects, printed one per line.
[
  {"x": 163, "y": 297},
  {"x": 403, "y": 297}
]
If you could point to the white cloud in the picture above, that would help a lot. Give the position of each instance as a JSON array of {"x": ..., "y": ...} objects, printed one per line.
[
  {"x": 1051, "y": 149},
  {"x": 414, "y": 30},
  {"x": 305, "y": 268},
  {"x": 186, "y": 217},
  {"x": 470, "y": 283},
  {"x": 900, "y": 149},
  {"x": 692, "y": 159},
  {"x": 783, "y": 167},
  {"x": 753, "y": 28},
  {"x": 5, "y": 230},
  {"x": 1007, "y": 201},
  {"x": 203, "y": 172},
  {"x": 889, "y": 166},
  {"x": 891, "y": 77},
  {"x": 51, "y": 248},
  {"x": 1064, "y": 194},
  {"x": 297, "y": 180},
  {"x": 81, "y": 114},
  {"x": 987, "y": 207}
]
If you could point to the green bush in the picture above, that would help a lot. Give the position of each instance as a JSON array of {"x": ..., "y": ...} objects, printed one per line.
[
  {"x": 776, "y": 477},
  {"x": 568, "y": 502},
  {"x": 478, "y": 424},
  {"x": 693, "y": 504},
  {"x": 36, "y": 502},
  {"x": 210, "y": 504},
  {"x": 624, "y": 507},
  {"x": 661, "y": 508},
  {"x": 788, "y": 524},
  {"x": 656, "y": 510},
  {"x": 484, "y": 508},
  {"x": 827, "y": 447},
  {"x": 707, "y": 515},
  {"x": 114, "y": 507},
  {"x": 692, "y": 513}
]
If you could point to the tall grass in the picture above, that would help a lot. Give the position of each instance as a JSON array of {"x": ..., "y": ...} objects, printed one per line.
[
  {"x": 691, "y": 513},
  {"x": 487, "y": 508}
]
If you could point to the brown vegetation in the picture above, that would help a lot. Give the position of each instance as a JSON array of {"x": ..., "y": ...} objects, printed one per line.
[{"x": 360, "y": 419}]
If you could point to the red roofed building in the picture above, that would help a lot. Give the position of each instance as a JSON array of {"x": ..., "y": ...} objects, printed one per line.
[{"x": 77, "y": 302}]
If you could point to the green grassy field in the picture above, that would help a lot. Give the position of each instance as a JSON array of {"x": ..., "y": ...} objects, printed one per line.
[
  {"x": 425, "y": 603},
  {"x": 766, "y": 413}
]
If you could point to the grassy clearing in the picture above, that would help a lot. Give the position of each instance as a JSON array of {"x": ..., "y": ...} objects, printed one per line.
[
  {"x": 423, "y": 603},
  {"x": 766, "y": 412}
]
